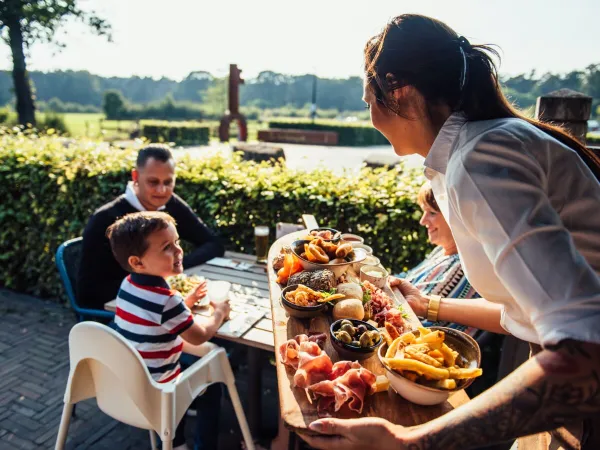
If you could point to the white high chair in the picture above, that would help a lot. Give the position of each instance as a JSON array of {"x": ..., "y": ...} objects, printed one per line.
[{"x": 104, "y": 365}]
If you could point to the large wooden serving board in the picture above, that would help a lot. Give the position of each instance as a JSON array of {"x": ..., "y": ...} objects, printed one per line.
[{"x": 296, "y": 410}]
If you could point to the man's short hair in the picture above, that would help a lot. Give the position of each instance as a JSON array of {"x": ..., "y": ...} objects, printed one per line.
[
  {"x": 128, "y": 236},
  {"x": 160, "y": 152}
]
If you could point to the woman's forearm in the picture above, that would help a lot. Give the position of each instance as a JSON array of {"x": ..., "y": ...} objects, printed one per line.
[
  {"x": 552, "y": 389},
  {"x": 475, "y": 312}
]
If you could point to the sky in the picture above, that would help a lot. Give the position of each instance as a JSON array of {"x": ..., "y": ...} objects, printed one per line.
[{"x": 171, "y": 38}]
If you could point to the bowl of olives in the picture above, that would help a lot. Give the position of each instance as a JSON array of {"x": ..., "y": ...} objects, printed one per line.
[{"x": 354, "y": 339}]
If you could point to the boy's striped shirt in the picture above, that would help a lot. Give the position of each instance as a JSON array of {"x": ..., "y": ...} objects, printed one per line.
[{"x": 151, "y": 317}]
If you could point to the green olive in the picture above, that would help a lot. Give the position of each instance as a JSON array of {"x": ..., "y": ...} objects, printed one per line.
[
  {"x": 343, "y": 336},
  {"x": 365, "y": 340},
  {"x": 375, "y": 336},
  {"x": 355, "y": 343},
  {"x": 345, "y": 322},
  {"x": 348, "y": 328}
]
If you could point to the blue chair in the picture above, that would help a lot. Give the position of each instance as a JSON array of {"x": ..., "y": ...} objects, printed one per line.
[{"x": 68, "y": 258}]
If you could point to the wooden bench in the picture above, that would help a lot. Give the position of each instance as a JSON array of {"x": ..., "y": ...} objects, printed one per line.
[{"x": 309, "y": 137}]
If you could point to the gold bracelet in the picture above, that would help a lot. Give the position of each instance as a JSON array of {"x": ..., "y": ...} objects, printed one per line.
[{"x": 433, "y": 308}]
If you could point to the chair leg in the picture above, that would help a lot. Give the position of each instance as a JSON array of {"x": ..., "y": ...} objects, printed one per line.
[
  {"x": 167, "y": 445},
  {"x": 64, "y": 426},
  {"x": 153, "y": 445},
  {"x": 239, "y": 412}
]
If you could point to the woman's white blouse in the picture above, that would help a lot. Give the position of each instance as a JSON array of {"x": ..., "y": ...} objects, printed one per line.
[{"x": 524, "y": 210}]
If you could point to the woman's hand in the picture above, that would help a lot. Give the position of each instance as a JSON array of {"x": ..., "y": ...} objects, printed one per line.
[
  {"x": 417, "y": 301},
  {"x": 358, "y": 434}
]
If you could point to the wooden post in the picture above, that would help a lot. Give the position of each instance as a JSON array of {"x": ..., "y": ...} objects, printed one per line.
[{"x": 567, "y": 108}]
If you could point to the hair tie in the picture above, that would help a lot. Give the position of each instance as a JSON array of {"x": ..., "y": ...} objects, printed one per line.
[{"x": 463, "y": 44}]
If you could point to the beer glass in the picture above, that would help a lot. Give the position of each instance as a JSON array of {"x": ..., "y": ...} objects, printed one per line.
[{"x": 261, "y": 236}]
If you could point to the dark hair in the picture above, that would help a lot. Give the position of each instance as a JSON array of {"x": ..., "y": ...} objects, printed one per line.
[
  {"x": 128, "y": 235},
  {"x": 427, "y": 198},
  {"x": 160, "y": 152},
  {"x": 418, "y": 51}
]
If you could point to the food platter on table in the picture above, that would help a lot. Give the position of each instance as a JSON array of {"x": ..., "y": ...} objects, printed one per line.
[{"x": 321, "y": 268}]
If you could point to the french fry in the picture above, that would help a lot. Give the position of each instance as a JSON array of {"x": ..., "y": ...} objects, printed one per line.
[
  {"x": 421, "y": 356},
  {"x": 449, "y": 355},
  {"x": 445, "y": 384},
  {"x": 417, "y": 366},
  {"x": 393, "y": 349},
  {"x": 408, "y": 338},
  {"x": 461, "y": 374},
  {"x": 436, "y": 354},
  {"x": 435, "y": 339},
  {"x": 421, "y": 348},
  {"x": 386, "y": 336},
  {"x": 423, "y": 331},
  {"x": 392, "y": 330}
]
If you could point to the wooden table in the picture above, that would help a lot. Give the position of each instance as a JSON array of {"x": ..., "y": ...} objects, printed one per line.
[
  {"x": 296, "y": 411},
  {"x": 251, "y": 290}
]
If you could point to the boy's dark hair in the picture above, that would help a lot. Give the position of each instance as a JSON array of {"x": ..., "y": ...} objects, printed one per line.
[
  {"x": 160, "y": 152},
  {"x": 128, "y": 236}
]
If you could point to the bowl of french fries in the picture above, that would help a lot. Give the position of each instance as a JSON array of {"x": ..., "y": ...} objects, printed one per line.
[{"x": 425, "y": 365}]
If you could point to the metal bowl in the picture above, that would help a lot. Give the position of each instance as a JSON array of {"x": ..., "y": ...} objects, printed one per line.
[
  {"x": 469, "y": 354},
  {"x": 338, "y": 269}
]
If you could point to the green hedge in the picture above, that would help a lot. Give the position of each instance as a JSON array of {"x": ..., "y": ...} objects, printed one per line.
[
  {"x": 180, "y": 133},
  {"x": 352, "y": 135},
  {"x": 49, "y": 190}
]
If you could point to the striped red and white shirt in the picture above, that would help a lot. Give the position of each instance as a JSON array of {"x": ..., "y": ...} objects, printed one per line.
[{"x": 151, "y": 317}]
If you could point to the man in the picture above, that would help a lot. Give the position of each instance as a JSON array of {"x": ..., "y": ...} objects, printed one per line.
[{"x": 151, "y": 189}]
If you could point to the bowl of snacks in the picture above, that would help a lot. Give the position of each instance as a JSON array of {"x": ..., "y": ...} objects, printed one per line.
[
  {"x": 354, "y": 339},
  {"x": 319, "y": 254},
  {"x": 374, "y": 274},
  {"x": 424, "y": 366},
  {"x": 327, "y": 234},
  {"x": 303, "y": 302}
]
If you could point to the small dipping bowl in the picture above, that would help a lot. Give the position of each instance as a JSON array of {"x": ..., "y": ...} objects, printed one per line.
[
  {"x": 375, "y": 275},
  {"x": 349, "y": 237},
  {"x": 368, "y": 249}
]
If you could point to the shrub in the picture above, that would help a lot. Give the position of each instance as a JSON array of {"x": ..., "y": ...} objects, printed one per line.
[
  {"x": 352, "y": 135},
  {"x": 52, "y": 121},
  {"x": 49, "y": 191},
  {"x": 4, "y": 114},
  {"x": 181, "y": 133}
]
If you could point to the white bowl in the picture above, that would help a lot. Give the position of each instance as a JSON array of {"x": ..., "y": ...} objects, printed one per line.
[
  {"x": 411, "y": 391},
  {"x": 379, "y": 281},
  {"x": 368, "y": 249},
  {"x": 337, "y": 269},
  {"x": 218, "y": 291}
]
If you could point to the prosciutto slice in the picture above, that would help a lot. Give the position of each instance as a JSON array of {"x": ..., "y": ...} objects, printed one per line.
[
  {"x": 314, "y": 365},
  {"x": 351, "y": 387},
  {"x": 289, "y": 350},
  {"x": 333, "y": 384}
]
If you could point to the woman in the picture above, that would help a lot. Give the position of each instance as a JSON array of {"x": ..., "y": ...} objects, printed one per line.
[
  {"x": 440, "y": 273},
  {"x": 522, "y": 199}
]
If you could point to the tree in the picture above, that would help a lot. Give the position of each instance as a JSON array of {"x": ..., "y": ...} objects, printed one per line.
[
  {"x": 114, "y": 104},
  {"x": 24, "y": 22}
]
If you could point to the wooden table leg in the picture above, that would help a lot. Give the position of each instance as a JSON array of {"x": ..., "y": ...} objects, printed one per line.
[{"x": 254, "y": 391}]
